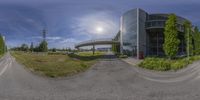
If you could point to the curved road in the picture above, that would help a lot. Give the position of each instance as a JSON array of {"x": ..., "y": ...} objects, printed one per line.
[{"x": 110, "y": 79}]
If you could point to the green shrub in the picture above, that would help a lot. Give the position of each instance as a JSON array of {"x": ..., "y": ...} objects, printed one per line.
[
  {"x": 175, "y": 65},
  {"x": 155, "y": 64},
  {"x": 194, "y": 58},
  {"x": 162, "y": 64},
  {"x": 196, "y": 52}
]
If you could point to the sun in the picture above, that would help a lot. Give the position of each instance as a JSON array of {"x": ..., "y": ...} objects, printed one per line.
[{"x": 99, "y": 29}]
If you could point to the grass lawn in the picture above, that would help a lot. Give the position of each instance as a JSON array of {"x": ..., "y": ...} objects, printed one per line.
[
  {"x": 1, "y": 55},
  {"x": 87, "y": 56},
  {"x": 97, "y": 53},
  {"x": 55, "y": 65},
  {"x": 163, "y": 64}
]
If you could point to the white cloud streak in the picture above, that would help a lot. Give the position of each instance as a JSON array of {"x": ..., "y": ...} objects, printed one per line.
[{"x": 48, "y": 38}]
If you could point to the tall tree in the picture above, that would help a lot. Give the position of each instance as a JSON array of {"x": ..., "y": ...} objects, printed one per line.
[
  {"x": 2, "y": 45},
  {"x": 196, "y": 40},
  {"x": 43, "y": 47},
  {"x": 171, "y": 41},
  {"x": 188, "y": 37}
]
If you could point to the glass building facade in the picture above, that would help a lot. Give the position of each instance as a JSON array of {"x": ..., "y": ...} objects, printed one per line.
[
  {"x": 142, "y": 34},
  {"x": 129, "y": 32}
]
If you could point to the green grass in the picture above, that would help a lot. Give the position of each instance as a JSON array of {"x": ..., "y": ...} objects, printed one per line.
[
  {"x": 53, "y": 65},
  {"x": 91, "y": 54},
  {"x": 87, "y": 56},
  {"x": 163, "y": 64},
  {"x": 1, "y": 55}
]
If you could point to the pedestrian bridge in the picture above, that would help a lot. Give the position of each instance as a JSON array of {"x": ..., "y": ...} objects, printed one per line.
[{"x": 105, "y": 41}]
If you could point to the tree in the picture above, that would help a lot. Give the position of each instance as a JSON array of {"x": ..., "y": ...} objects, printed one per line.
[
  {"x": 24, "y": 47},
  {"x": 196, "y": 40},
  {"x": 171, "y": 41},
  {"x": 188, "y": 37},
  {"x": 2, "y": 45},
  {"x": 69, "y": 49},
  {"x": 43, "y": 46},
  {"x": 31, "y": 47},
  {"x": 36, "y": 49},
  {"x": 54, "y": 50}
]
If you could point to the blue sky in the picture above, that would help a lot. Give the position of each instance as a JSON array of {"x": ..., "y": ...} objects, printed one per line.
[{"x": 71, "y": 21}]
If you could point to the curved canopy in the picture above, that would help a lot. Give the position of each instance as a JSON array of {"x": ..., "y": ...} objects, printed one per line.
[{"x": 97, "y": 42}]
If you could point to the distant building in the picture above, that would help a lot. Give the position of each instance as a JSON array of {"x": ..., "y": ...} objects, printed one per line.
[{"x": 142, "y": 34}]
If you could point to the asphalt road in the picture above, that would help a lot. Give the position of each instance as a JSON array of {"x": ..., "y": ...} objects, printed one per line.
[{"x": 110, "y": 79}]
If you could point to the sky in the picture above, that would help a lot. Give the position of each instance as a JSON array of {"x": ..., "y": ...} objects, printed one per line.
[{"x": 71, "y": 21}]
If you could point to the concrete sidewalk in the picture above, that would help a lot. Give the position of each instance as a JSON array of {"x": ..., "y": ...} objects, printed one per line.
[{"x": 132, "y": 61}]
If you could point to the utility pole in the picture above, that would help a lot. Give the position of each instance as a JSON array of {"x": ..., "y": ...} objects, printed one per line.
[{"x": 44, "y": 32}]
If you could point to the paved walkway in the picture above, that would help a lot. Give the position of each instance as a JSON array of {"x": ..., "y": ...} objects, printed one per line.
[
  {"x": 107, "y": 80},
  {"x": 132, "y": 61}
]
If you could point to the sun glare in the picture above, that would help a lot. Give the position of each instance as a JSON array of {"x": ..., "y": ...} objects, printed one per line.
[{"x": 99, "y": 29}]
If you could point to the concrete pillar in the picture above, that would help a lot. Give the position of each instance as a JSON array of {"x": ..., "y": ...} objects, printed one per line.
[
  {"x": 78, "y": 49},
  {"x": 93, "y": 49}
]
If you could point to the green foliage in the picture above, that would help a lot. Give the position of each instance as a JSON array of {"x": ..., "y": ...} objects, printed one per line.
[
  {"x": 54, "y": 50},
  {"x": 24, "y": 47},
  {"x": 43, "y": 46},
  {"x": 2, "y": 45},
  {"x": 194, "y": 58},
  {"x": 162, "y": 64},
  {"x": 188, "y": 37},
  {"x": 178, "y": 64},
  {"x": 87, "y": 56},
  {"x": 56, "y": 65},
  {"x": 196, "y": 41},
  {"x": 31, "y": 47},
  {"x": 171, "y": 41}
]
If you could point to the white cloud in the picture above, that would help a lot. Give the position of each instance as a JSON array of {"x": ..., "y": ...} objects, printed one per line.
[
  {"x": 54, "y": 38},
  {"x": 48, "y": 38},
  {"x": 59, "y": 42},
  {"x": 69, "y": 40},
  {"x": 64, "y": 43}
]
